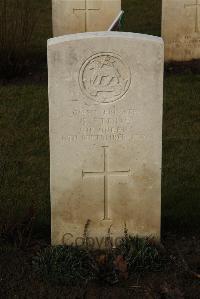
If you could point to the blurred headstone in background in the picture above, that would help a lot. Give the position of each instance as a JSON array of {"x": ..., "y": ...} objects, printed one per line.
[
  {"x": 181, "y": 29},
  {"x": 75, "y": 16}
]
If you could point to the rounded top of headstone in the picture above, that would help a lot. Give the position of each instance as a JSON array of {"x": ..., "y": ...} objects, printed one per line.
[{"x": 104, "y": 34}]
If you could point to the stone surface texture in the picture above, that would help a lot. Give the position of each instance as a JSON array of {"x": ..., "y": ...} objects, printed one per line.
[
  {"x": 75, "y": 16},
  {"x": 105, "y": 105},
  {"x": 181, "y": 29}
]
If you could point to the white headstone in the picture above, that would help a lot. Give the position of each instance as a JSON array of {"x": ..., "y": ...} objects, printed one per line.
[
  {"x": 74, "y": 16},
  {"x": 181, "y": 29},
  {"x": 105, "y": 104}
]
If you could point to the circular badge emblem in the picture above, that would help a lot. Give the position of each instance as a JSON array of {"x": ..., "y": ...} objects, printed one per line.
[{"x": 104, "y": 78}]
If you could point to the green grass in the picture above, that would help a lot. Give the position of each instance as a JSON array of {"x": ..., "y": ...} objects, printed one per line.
[
  {"x": 181, "y": 147},
  {"x": 24, "y": 146},
  {"x": 24, "y": 156}
]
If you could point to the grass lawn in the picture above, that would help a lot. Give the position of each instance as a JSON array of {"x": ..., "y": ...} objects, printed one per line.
[
  {"x": 24, "y": 146},
  {"x": 181, "y": 147}
]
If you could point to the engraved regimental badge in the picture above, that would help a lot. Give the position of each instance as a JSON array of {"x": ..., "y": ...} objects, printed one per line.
[{"x": 104, "y": 78}]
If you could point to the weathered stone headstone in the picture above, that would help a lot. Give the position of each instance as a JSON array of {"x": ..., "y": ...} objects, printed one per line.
[
  {"x": 74, "y": 16},
  {"x": 105, "y": 103},
  {"x": 181, "y": 29}
]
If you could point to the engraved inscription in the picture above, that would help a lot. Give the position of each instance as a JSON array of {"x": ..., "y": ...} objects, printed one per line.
[
  {"x": 106, "y": 173},
  {"x": 86, "y": 10},
  {"x": 186, "y": 43},
  {"x": 197, "y": 7},
  {"x": 104, "y": 78},
  {"x": 97, "y": 138},
  {"x": 109, "y": 124}
]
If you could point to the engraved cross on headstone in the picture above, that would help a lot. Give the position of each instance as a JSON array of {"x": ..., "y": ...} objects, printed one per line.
[
  {"x": 195, "y": 5},
  {"x": 86, "y": 9},
  {"x": 106, "y": 173}
]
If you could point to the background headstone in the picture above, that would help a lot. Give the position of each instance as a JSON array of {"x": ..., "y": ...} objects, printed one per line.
[
  {"x": 105, "y": 103},
  {"x": 74, "y": 16},
  {"x": 181, "y": 29}
]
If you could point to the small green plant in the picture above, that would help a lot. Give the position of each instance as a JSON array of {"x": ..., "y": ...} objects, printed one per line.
[
  {"x": 72, "y": 265},
  {"x": 65, "y": 265},
  {"x": 141, "y": 254}
]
